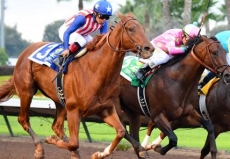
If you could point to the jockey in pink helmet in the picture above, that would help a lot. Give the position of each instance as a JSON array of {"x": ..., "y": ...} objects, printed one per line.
[
  {"x": 168, "y": 44},
  {"x": 191, "y": 30},
  {"x": 76, "y": 30}
]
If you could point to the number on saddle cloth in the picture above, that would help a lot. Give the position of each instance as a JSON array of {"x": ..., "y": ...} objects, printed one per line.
[{"x": 130, "y": 66}]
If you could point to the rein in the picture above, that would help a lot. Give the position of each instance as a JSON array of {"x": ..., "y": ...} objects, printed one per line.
[
  {"x": 206, "y": 66},
  {"x": 138, "y": 48}
]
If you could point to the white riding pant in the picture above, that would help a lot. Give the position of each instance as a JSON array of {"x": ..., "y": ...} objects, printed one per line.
[
  {"x": 158, "y": 57},
  {"x": 75, "y": 37}
]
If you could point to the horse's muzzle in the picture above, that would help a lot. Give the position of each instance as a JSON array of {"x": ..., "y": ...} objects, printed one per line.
[{"x": 147, "y": 52}]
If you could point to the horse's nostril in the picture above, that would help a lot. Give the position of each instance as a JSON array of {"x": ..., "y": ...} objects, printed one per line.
[{"x": 147, "y": 48}]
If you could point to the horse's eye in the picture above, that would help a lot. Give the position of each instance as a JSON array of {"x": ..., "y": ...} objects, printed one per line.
[
  {"x": 131, "y": 29},
  {"x": 214, "y": 52}
]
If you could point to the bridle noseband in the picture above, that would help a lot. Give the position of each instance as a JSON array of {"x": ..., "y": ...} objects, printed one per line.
[{"x": 138, "y": 48}]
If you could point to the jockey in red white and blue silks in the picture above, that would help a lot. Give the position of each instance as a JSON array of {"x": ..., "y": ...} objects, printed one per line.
[{"x": 75, "y": 32}]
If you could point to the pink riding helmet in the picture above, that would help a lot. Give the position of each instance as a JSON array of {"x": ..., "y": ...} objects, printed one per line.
[{"x": 191, "y": 30}]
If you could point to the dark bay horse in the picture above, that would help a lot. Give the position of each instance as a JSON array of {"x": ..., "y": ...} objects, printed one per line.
[
  {"x": 171, "y": 91},
  {"x": 91, "y": 85},
  {"x": 217, "y": 103}
]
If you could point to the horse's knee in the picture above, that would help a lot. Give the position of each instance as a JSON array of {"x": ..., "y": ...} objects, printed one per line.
[
  {"x": 121, "y": 132},
  {"x": 208, "y": 126},
  {"x": 173, "y": 141},
  {"x": 23, "y": 123}
]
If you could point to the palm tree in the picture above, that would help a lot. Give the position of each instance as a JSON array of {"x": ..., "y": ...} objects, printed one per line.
[
  {"x": 166, "y": 15},
  {"x": 148, "y": 12},
  {"x": 187, "y": 12},
  {"x": 227, "y": 5}
]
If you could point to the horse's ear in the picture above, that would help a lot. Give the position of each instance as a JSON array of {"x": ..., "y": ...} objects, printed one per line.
[
  {"x": 130, "y": 14},
  {"x": 121, "y": 16}
]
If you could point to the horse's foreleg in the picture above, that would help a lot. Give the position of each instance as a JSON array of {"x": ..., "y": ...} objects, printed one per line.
[
  {"x": 206, "y": 149},
  {"x": 163, "y": 124},
  {"x": 211, "y": 137},
  {"x": 195, "y": 120},
  {"x": 73, "y": 118},
  {"x": 134, "y": 125},
  {"x": 58, "y": 123},
  {"x": 145, "y": 142},
  {"x": 134, "y": 122},
  {"x": 174, "y": 125},
  {"x": 111, "y": 118}
]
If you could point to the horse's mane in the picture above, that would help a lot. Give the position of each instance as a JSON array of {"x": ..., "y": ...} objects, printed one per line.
[
  {"x": 93, "y": 45},
  {"x": 190, "y": 43}
]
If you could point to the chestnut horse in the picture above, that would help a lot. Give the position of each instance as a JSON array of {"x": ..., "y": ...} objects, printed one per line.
[
  {"x": 91, "y": 85},
  {"x": 218, "y": 108},
  {"x": 171, "y": 91}
]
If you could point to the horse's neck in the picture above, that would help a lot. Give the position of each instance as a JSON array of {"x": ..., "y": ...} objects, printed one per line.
[
  {"x": 108, "y": 60},
  {"x": 104, "y": 64},
  {"x": 190, "y": 69}
]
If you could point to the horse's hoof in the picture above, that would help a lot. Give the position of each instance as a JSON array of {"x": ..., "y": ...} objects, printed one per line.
[
  {"x": 51, "y": 139},
  {"x": 96, "y": 155},
  {"x": 75, "y": 155},
  {"x": 38, "y": 156},
  {"x": 155, "y": 146},
  {"x": 158, "y": 149},
  {"x": 144, "y": 154}
]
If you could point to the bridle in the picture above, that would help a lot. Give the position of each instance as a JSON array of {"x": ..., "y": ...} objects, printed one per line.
[
  {"x": 138, "y": 48},
  {"x": 217, "y": 68}
]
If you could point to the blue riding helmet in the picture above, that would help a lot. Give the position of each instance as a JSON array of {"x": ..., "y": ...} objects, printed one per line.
[{"x": 103, "y": 7}]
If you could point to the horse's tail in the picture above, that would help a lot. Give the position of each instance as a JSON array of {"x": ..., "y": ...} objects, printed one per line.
[{"x": 7, "y": 90}]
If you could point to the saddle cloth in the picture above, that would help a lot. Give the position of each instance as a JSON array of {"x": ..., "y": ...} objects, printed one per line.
[
  {"x": 46, "y": 54},
  {"x": 130, "y": 66},
  {"x": 206, "y": 88}
]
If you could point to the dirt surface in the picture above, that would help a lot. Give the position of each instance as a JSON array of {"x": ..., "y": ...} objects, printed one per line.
[{"x": 23, "y": 148}]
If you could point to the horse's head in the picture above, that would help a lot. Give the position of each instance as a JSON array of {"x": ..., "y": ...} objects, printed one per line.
[
  {"x": 132, "y": 37},
  {"x": 209, "y": 53}
]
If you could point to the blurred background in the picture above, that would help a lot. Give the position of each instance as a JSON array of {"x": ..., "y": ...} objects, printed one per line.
[{"x": 28, "y": 21}]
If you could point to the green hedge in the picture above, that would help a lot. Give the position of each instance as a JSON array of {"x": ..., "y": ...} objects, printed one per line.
[{"x": 6, "y": 70}]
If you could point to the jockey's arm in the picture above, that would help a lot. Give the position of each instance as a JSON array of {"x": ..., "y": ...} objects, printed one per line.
[
  {"x": 171, "y": 45},
  {"x": 78, "y": 22}
]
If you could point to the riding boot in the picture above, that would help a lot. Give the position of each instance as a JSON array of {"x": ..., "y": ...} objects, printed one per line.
[
  {"x": 140, "y": 74},
  {"x": 73, "y": 48}
]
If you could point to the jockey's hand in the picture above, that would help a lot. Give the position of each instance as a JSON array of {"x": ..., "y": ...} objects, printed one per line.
[{"x": 65, "y": 53}]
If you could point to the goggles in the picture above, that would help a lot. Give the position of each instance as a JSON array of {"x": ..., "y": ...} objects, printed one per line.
[
  {"x": 100, "y": 16},
  {"x": 186, "y": 36}
]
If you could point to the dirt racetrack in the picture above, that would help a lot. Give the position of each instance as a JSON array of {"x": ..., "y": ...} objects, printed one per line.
[{"x": 23, "y": 148}]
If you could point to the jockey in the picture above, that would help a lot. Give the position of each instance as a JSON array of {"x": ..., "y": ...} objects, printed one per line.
[
  {"x": 168, "y": 44},
  {"x": 74, "y": 33},
  {"x": 224, "y": 39}
]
